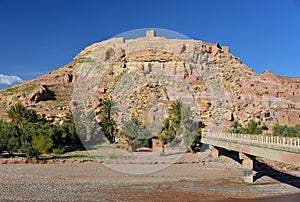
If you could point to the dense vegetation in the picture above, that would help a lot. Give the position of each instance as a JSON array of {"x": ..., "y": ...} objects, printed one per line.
[
  {"x": 181, "y": 125},
  {"x": 135, "y": 134},
  {"x": 178, "y": 128},
  {"x": 251, "y": 128},
  {"x": 30, "y": 135},
  {"x": 108, "y": 124},
  {"x": 277, "y": 130},
  {"x": 286, "y": 131}
]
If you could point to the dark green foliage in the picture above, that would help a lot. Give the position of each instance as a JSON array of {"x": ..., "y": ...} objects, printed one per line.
[
  {"x": 107, "y": 123},
  {"x": 60, "y": 135},
  {"x": 27, "y": 134},
  {"x": 58, "y": 151},
  {"x": 191, "y": 134},
  {"x": 2, "y": 125},
  {"x": 175, "y": 112},
  {"x": 87, "y": 128},
  {"x": 135, "y": 133},
  {"x": 236, "y": 127},
  {"x": 181, "y": 124},
  {"x": 286, "y": 131},
  {"x": 171, "y": 125},
  {"x": 35, "y": 138},
  {"x": 190, "y": 130},
  {"x": 20, "y": 115},
  {"x": 108, "y": 128},
  {"x": 29, "y": 150},
  {"x": 167, "y": 136},
  {"x": 252, "y": 128},
  {"x": 10, "y": 138}
]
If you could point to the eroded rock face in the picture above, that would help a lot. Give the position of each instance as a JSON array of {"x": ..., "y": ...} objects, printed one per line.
[
  {"x": 245, "y": 94},
  {"x": 145, "y": 75},
  {"x": 42, "y": 94}
]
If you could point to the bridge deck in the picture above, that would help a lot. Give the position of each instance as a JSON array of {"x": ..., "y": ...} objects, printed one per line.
[{"x": 282, "y": 149}]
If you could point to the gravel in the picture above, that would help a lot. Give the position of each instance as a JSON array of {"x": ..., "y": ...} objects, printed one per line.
[{"x": 210, "y": 179}]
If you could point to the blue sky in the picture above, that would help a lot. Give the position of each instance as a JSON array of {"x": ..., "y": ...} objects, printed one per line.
[{"x": 38, "y": 36}]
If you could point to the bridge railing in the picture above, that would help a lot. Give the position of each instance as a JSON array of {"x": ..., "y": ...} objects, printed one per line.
[{"x": 272, "y": 140}]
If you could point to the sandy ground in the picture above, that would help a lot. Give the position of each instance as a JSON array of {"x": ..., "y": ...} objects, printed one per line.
[{"x": 190, "y": 179}]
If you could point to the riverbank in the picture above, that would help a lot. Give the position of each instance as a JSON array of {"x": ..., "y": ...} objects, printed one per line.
[{"x": 88, "y": 180}]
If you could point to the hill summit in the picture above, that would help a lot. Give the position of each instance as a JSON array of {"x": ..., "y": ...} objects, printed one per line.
[{"x": 143, "y": 76}]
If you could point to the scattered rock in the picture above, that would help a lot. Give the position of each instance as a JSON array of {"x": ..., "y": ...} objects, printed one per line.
[{"x": 42, "y": 94}]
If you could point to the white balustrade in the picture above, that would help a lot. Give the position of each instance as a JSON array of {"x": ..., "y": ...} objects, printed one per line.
[{"x": 274, "y": 140}]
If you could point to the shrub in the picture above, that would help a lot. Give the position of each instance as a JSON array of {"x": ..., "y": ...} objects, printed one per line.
[
  {"x": 29, "y": 135},
  {"x": 252, "y": 128},
  {"x": 286, "y": 131},
  {"x": 10, "y": 138},
  {"x": 58, "y": 151},
  {"x": 29, "y": 150},
  {"x": 42, "y": 143}
]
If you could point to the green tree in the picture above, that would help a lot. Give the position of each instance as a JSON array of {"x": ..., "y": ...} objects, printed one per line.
[
  {"x": 26, "y": 141},
  {"x": 236, "y": 127},
  {"x": 10, "y": 138},
  {"x": 190, "y": 130},
  {"x": 2, "y": 125},
  {"x": 135, "y": 133},
  {"x": 20, "y": 115},
  {"x": 42, "y": 137},
  {"x": 175, "y": 112},
  {"x": 286, "y": 131},
  {"x": 107, "y": 123},
  {"x": 29, "y": 150},
  {"x": 181, "y": 124},
  {"x": 252, "y": 128},
  {"x": 167, "y": 136}
]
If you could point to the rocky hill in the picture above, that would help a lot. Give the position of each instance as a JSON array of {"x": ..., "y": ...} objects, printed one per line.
[{"x": 144, "y": 75}]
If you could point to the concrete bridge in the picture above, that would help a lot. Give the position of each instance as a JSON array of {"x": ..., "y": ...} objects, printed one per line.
[{"x": 282, "y": 149}]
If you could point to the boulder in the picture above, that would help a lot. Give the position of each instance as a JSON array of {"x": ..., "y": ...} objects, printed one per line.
[
  {"x": 229, "y": 116},
  {"x": 42, "y": 94}
]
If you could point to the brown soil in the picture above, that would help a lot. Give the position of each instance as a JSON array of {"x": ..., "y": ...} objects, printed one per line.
[{"x": 79, "y": 180}]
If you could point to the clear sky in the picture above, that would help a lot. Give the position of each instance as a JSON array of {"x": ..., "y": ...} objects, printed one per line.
[{"x": 38, "y": 36}]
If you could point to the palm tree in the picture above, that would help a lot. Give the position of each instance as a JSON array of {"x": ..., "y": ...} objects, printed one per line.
[
  {"x": 175, "y": 113},
  {"x": 20, "y": 115},
  {"x": 106, "y": 109},
  {"x": 167, "y": 135},
  {"x": 107, "y": 122},
  {"x": 132, "y": 130}
]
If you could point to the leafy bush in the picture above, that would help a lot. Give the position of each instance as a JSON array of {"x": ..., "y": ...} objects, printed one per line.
[
  {"x": 286, "y": 131},
  {"x": 10, "y": 138},
  {"x": 29, "y": 135},
  {"x": 29, "y": 150},
  {"x": 252, "y": 128},
  {"x": 42, "y": 143},
  {"x": 33, "y": 139},
  {"x": 58, "y": 151}
]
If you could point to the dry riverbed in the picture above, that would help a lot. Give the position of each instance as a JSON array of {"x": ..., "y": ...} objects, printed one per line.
[{"x": 191, "y": 179}]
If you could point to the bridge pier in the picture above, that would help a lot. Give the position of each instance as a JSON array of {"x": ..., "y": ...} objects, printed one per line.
[
  {"x": 247, "y": 169},
  {"x": 214, "y": 152}
]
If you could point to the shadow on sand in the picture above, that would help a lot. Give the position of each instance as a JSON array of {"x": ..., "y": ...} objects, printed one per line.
[{"x": 264, "y": 169}]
